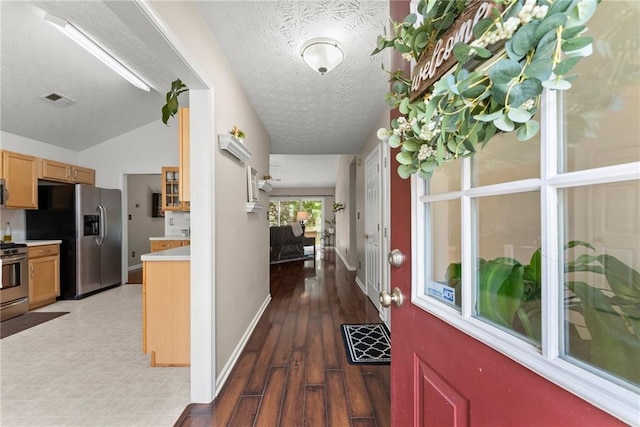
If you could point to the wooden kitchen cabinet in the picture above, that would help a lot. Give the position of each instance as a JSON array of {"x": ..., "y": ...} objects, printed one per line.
[
  {"x": 44, "y": 275},
  {"x": 161, "y": 245},
  {"x": 20, "y": 173},
  {"x": 64, "y": 172},
  {"x": 171, "y": 189},
  {"x": 166, "y": 312},
  {"x": 184, "y": 153}
]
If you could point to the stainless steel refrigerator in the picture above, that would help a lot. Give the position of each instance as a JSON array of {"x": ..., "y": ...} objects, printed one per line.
[{"x": 88, "y": 220}]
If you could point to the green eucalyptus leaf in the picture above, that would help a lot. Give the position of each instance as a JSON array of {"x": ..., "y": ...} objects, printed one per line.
[
  {"x": 481, "y": 27},
  {"x": 474, "y": 92},
  {"x": 565, "y": 66},
  {"x": 411, "y": 19},
  {"x": 420, "y": 41},
  {"x": 504, "y": 123},
  {"x": 576, "y": 43},
  {"x": 546, "y": 46},
  {"x": 549, "y": 23},
  {"x": 511, "y": 54},
  {"x": 405, "y": 171},
  {"x": 502, "y": 72},
  {"x": 539, "y": 69},
  {"x": 401, "y": 47},
  {"x": 488, "y": 117},
  {"x": 381, "y": 43},
  {"x": 522, "y": 92},
  {"x": 581, "y": 12},
  {"x": 428, "y": 165},
  {"x": 519, "y": 115},
  {"x": 411, "y": 145},
  {"x": 394, "y": 141},
  {"x": 400, "y": 88},
  {"x": 568, "y": 33},
  {"x": 559, "y": 7},
  {"x": 461, "y": 52},
  {"x": 404, "y": 106},
  {"x": 482, "y": 52},
  {"x": 499, "y": 93},
  {"x": 451, "y": 84},
  {"x": 404, "y": 158},
  {"x": 524, "y": 39},
  {"x": 528, "y": 130},
  {"x": 557, "y": 84}
]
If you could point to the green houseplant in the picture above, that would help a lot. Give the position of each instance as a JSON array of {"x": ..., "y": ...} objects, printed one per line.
[{"x": 510, "y": 294}]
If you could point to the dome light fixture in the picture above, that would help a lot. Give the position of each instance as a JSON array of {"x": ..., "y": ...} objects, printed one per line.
[{"x": 322, "y": 54}]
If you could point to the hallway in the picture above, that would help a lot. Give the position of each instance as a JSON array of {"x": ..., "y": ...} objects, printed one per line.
[{"x": 293, "y": 370}]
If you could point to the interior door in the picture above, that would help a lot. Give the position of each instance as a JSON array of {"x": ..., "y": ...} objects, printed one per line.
[
  {"x": 442, "y": 377},
  {"x": 372, "y": 226}
]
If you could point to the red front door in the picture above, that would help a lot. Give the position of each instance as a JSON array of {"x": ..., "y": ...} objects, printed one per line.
[{"x": 440, "y": 376}]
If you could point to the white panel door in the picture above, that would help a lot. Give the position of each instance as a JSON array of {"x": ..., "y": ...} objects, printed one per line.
[{"x": 373, "y": 236}]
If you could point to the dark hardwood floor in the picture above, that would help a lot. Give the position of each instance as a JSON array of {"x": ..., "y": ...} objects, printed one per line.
[{"x": 294, "y": 370}]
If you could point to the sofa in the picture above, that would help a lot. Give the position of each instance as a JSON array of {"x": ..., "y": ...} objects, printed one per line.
[{"x": 285, "y": 246}]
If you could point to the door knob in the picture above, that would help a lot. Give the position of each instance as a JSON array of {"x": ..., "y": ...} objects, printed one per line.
[
  {"x": 365, "y": 235},
  {"x": 396, "y": 258},
  {"x": 395, "y": 297}
]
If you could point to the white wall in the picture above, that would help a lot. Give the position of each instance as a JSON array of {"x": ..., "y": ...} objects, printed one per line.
[
  {"x": 142, "y": 224},
  {"x": 241, "y": 248},
  {"x": 343, "y": 217}
]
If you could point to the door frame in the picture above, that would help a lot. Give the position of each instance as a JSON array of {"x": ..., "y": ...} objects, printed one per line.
[{"x": 377, "y": 154}]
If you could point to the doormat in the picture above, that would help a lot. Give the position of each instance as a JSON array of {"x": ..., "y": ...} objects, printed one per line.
[
  {"x": 367, "y": 343},
  {"x": 26, "y": 321}
]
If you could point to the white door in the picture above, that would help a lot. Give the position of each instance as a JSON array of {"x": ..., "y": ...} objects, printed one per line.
[{"x": 373, "y": 210}]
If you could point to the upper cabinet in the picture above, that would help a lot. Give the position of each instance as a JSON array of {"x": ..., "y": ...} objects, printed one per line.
[
  {"x": 20, "y": 173},
  {"x": 185, "y": 164},
  {"x": 63, "y": 172}
]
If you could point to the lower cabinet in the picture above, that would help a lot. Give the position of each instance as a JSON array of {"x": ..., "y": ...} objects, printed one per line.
[
  {"x": 44, "y": 275},
  {"x": 166, "y": 318}
]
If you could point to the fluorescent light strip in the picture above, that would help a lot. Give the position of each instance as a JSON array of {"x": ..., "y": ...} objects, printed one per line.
[{"x": 77, "y": 36}]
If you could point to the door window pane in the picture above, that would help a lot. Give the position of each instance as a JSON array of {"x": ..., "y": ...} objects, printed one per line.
[
  {"x": 506, "y": 159},
  {"x": 601, "y": 126},
  {"x": 602, "y": 279},
  {"x": 508, "y": 269},
  {"x": 445, "y": 269},
  {"x": 446, "y": 178}
]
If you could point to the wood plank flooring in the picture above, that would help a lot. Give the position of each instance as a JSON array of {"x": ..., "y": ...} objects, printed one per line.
[{"x": 294, "y": 370}]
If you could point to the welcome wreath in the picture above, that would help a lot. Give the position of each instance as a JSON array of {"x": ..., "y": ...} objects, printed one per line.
[{"x": 503, "y": 54}]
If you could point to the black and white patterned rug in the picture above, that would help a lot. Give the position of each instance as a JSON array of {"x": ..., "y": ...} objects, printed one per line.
[{"x": 367, "y": 343}]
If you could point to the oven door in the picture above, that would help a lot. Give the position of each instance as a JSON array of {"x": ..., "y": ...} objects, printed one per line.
[{"x": 15, "y": 289}]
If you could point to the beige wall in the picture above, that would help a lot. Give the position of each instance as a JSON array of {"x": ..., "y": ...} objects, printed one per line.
[
  {"x": 241, "y": 238},
  {"x": 141, "y": 224},
  {"x": 343, "y": 218}
]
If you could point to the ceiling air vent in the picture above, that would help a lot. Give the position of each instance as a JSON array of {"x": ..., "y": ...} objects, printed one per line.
[{"x": 59, "y": 99}]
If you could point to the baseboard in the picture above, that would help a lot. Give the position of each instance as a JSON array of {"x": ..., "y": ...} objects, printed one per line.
[
  {"x": 228, "y": 367},
  {"x": 344, "y": 261},
  {"x": 135, "y": 267},
  {"x": 362, "y": 288}
]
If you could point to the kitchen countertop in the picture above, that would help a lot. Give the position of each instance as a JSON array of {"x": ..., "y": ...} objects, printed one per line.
[
  {"x": 177, "y": 237},
  {"x": 41, "y": 242},
  {"x": 183, "y": 253}
]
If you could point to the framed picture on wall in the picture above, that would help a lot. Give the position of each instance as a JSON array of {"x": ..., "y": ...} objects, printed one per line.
[{"x": 252, "y": 184}]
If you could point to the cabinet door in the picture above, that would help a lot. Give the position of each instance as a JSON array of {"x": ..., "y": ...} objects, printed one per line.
[
  {"x": 44, "y": 280},
  {"x": 185, "y": 164},
  {"x": 55, "y": 171},
  {"x": 171, "y": 189},
  {"x": 21, "y": 180},
  {"x": 84, "y": 175}
]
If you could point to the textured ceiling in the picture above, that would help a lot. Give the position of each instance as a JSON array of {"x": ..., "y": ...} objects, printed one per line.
[
  {"x": 37, "y": 59},
  {"x": 303, "y": 111}
]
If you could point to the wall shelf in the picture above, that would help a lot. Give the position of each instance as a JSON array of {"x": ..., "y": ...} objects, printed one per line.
[
  {"x": 265, "y": 186},
  {"x": 254, "y": 207},
  {"x": 234, "y": 146}
]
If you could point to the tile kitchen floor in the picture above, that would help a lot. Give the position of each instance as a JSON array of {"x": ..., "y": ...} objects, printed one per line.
[{"x": 87, "y": 368}]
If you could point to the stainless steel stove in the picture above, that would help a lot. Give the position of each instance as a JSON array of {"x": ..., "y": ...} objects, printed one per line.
[{"x": 14, "y": 288}]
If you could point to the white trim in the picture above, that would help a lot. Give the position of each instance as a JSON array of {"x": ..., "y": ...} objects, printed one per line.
[
  {"x": 603, "y": 175},
  {"x": 234, "y": 146},
  {"x": 344, "y": 261},
  {"x": 441, "y": 197},
  {"x": 235, "y": 355},
  {"x": 134, "y": 267},
  {"x": 504, "y": 188},
  {"x": 361, "y": 285}
]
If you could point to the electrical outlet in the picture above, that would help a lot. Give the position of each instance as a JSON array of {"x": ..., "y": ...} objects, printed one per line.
[
  {"x": 133, "y": 254},
  {"x": 170, "y": 221}
]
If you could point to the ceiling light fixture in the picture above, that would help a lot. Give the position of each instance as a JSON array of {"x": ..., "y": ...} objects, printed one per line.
[
  {"x": 77, "y": 36},
  {"x": 323, "y": 55}
]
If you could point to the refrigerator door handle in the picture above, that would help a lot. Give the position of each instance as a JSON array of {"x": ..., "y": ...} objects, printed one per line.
[{"x": 103, "y": 232}]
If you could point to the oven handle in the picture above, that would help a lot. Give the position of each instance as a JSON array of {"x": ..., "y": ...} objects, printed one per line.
[
  {"x": 13, "y": 259},
  {"x": 20, "y": 301}
]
